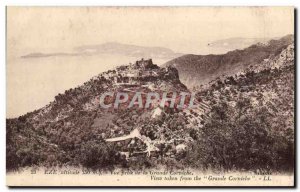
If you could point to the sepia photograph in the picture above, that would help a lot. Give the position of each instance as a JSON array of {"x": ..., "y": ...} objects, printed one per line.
[{"x": 150, "y": 96}]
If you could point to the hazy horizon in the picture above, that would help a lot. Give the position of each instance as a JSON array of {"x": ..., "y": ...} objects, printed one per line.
[{"x": 204, "y": 50}]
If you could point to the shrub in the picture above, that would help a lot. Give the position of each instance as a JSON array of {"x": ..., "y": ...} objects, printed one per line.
[
  {"x": 242, "y": 138},
  {"x": 97, "y": 155}
]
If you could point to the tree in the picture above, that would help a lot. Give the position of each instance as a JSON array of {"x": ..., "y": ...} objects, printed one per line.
[
  {"x": 242, "y": 138},
  {"x": 97, "y": 155}
]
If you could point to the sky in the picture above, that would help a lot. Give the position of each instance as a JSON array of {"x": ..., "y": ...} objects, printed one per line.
[
  {"x": 33, "y": 83},
  {"x": 182, "y": 29}
]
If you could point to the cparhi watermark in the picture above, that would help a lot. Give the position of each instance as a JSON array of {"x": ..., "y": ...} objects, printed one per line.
[{"x": 147, "y": 100}]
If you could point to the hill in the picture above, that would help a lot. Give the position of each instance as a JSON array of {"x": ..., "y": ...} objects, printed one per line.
[
  {"x": 244, "y": 119},
  {"x": 112, "y": 48},
  {"x": 224, "y": 45},
  {"x": 251, "y": 123},
  {"x": 200, "y": 69},
  {"x": 129, "y": 50},
  {"x": 73, "y": 128}
]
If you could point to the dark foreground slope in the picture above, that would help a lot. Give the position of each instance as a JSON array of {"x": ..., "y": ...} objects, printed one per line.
[
  {"x": 72, "y": 129},
  {"x": 251, "y": 124}
]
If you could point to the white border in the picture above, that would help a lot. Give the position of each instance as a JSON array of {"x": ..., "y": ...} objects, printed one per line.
[
  {"x": 149, "y": 3},
  {"x": 4, "y": 3}
]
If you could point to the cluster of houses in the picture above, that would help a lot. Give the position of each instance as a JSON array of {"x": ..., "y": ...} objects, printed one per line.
[
  {"x": 135, "y": 144},
  {"x": 132, "y": 73}
]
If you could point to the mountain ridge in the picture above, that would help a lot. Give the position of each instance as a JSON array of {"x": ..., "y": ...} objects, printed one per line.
[
  {"x": 201, "y": 69},
  {"x": 113, "y": 48}
]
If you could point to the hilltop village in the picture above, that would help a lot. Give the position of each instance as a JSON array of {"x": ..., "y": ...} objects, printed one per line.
[
  {"x": 130, "y": 74},
  {"x": 142, "y": 72}
]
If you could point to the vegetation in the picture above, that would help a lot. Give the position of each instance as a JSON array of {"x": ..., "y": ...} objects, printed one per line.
[
  {"x": 243, "y": 138},
  {"x": 249, "y": 125}
]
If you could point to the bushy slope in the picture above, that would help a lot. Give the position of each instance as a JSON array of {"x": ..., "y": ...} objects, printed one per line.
[
  {"x": 251, "y": 124},
  {"x": 61, "y": 132}
]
